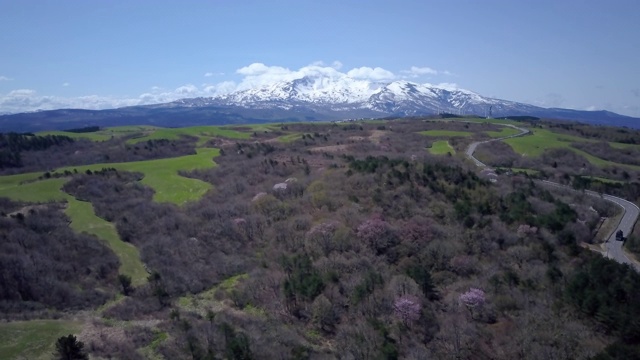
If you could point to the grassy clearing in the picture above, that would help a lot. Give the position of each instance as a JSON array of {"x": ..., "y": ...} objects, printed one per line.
[
  {"x": 84, "y": 219},
  {"x": 104, "y": 134},
  {"x": 290, "y": 137},
  {"x": 605, "y": 180},
  {"x": 94, "y": 136},
  {"x": 203, "y": 133},
  {"x": 441, "y": 147},
  {"x": 505, "y": 131},
  {"x": 524, "y": 171},
  {"x": 149, "y": 352},
  {"x": 202, "y": 302},
  {"x": 33, "y": 339},
  {"x": 623, "y": 146},
  {"x": 39, "y": 191},
  {"x": 161, "y": 175},
  {"x": 445, "y": 133},
  {"x": 257, "y": 127},
  {"x": 541, "y": 139}
]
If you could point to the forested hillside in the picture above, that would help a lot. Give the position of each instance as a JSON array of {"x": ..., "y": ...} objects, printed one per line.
[{"x": 322, "y": 241}]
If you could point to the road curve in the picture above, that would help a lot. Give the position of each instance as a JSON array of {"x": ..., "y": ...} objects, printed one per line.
[
  {"x": 630, "y": 210},
  {"x": 629, "y": 217},
  {"x": 472, "y": 147}
]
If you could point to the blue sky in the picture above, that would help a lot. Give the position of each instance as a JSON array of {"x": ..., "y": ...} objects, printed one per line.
[{"x": 580, "y": 54}]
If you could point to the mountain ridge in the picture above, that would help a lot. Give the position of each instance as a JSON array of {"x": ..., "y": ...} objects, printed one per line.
[{"x": 309, "y": 98}]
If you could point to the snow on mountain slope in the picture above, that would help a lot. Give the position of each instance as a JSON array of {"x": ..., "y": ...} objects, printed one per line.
[
  {"x": 312, "y": 89},
  {"x": 318, "y": 96},
  {"x": 345, "y": 93}
]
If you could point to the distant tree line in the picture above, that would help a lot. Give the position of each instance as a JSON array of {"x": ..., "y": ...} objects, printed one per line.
[{"x": 86, "y": 129}]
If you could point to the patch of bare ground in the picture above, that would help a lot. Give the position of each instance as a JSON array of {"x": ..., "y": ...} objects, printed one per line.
[
  {"x": 376, "y": 135},
  {"x": 607, "y": 227},
  {"x": 599, "y": 248},
  {"x": 314, "y": 161},
  {"x": 220, "y": 142},
  {"x": 331, "y": 148}
]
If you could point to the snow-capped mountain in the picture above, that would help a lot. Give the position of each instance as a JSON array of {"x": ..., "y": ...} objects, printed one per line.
[
  {"x": 343, "y": 93},
  {"x": 309, "y": 98}
]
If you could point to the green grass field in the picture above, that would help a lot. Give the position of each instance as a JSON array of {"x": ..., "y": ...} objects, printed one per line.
[
  {"x": 33, "y": 339},
  {"x": 522, "y": 170},
  {"x": 94, "y": 136},
  {"x": 605, "y": 180},
  {"x": 290, "y": 137},
  {"x": 203, "y": 133},
  {"x": 624, "y": 146},
  {"x": 104, "y": 134},
  {"x": 161, "y": 175},
  {"x": 441, "y": 147},
  {"x": 445, "y": 133},
  {"x": 541, "y": 139},
  {"x": 38, "y": 191},
  {"x": 84, "y": 219},
  {"x": 505, "y": 131}
]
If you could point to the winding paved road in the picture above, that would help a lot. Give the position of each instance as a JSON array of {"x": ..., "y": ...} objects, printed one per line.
[{"x": 630, "y": 210}]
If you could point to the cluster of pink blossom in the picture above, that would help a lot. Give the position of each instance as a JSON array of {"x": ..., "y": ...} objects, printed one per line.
[
  {"x": 239, "y": 221},
  {"x": 372, "y": 229},
  {"x": 463, "y": 264},
  {"x": 406, "y": 308},
  {"x": 524, "y": 230},
  {"x": 473, "y": 298},
  {"x": 324, "y": 229}
]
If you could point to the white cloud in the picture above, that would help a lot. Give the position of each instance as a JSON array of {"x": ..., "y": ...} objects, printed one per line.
[
  {"x": 66, "y": 84},
  {"x": 367, "y": 73},
  {"x": 211, "y": 74},
  {"x": 22, "y": 92},
  {"x": 257, "y": 69},
  {"x": 224, "y": 87},
  {"x": 259, "y": 74},
  {"x": 29, "y": 100},
  {"x": 421, "y": 71},
  {"x": 250, "y": 76},
  {"x": 186, "y": 90},
  {"x": 4, "y": 78},
  {"x": 448, "y": 86},
  {"x": 416, "y": 71}
]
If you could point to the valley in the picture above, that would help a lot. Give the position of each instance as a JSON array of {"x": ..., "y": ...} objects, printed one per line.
[{"x": 319, "y": 232}]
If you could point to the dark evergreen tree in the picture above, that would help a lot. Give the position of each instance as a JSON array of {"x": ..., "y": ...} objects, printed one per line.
[{"x": 69, "y": 348}]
